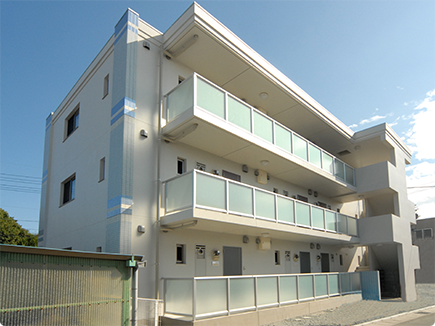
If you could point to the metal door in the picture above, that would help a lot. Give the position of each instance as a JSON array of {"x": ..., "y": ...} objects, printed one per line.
[
  {"x": 305, "y": 262},
  {"x": 232, "y": 261},
  {"x": 325, "y": 263}
]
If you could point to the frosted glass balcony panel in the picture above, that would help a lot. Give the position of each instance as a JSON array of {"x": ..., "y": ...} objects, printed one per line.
[
  {"x": 179, "y": 193},
  {"x": 283, "y": 138},
  {"x": 349, "y": 174},
  {"x": 339, "y": 169},
  {"x": 355, "y": 281},
  {"x": 315, "y": 155},
  {"x": 317, "y": 217},
  {"x": 331, "y": 223},
  {"x": 264, "y": 204},
  {"x": 345, "y": 283},
  {"x": 328, "y": 163},
  {"x": 267, "y": 290},
  {"x": 321, "y": 285},
  {"x": 342, "y": 223},
  {"x": 263, "y": 127},
  {"x": 242, "y": 293},
  {"x": 240, "y": 198},
  {"x": 180, "y": 100},
  {"x": 239, "y": 114},
  {"x": 285, "y": 210},
  {"x": 211, "y": 296},
  {"x": 210, "y": 191},
  {"x": 178, "y": 296},
  {"x": 302, "y": 214},
  {"x": 300, "y": 147},
  {"x": 333, "y": 284},
  {"x": 352, "y": 226},
  {"x": 210, "y": 98},
  {"x": 288, "y": 288},
  {"x": 306, "y": 287}
]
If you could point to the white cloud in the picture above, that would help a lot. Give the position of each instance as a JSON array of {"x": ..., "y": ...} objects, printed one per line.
[
  {"x": 353, "y": 125},
  {"x": 422, "y": 175},
  {"x": 421, "y": 136},
  {"x": 401, "y": 88},
  {"x": 372, "y": 119}
]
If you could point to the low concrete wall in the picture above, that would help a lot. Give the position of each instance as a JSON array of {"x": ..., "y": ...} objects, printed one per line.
[{"x": 267, "y": 316}]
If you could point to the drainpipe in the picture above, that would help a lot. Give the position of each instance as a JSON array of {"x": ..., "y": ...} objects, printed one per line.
[
  {"x": 159, "y": 181},
  {"x": 134, "y": 295}
]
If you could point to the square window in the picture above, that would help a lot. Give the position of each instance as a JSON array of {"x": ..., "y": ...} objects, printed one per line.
[
  {"x": 106, "y": 86},
  {"x": 72, "y": 122},
  {"x": 68, "y": 189},
  {"x": 427, "y": 234},
  {"x": 181, "y": 255},
  {"x": 419, "y": 234},
  {"x": 102, "y": 169}
]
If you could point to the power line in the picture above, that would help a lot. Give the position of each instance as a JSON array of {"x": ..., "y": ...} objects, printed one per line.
[{"x": 20, "y": 183}]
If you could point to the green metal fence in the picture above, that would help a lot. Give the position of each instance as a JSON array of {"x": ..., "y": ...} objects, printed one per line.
[{"x": 47, "y": 289}]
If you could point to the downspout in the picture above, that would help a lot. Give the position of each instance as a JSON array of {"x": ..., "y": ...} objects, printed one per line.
[
  {"x": 134, "y": 295},
  {"x": 159, "y": 181}
]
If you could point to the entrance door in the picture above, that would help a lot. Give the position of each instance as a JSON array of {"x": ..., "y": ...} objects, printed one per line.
[
  {"x": 305, "y": 262},
  {"x": 232, "y": 261},
  {"x": 325, "y": 263}
]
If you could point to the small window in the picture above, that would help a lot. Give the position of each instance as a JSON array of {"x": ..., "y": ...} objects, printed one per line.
[
  {"x": 341, "y": 260},
  {"x": 427, "y": 234},
  {"x": 277, "y": 258},
  {"x": 180, "y": 79},
  {"x": 106, "y": 86},
  {"x": 102, "y": 169},
  {"x": 181, "y": 257},
  {"x": 181, "y": 165},
  {"x": 419, "y": 234},
  {"x": 72, "y": 122},
  {"x": 68, "y": 189},
  {"x": 99, "y": 249}
]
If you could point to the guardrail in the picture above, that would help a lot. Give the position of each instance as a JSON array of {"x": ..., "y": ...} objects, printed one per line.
[
  {"x": 197, "y": 91},
  {"x": 204, "y": 297},
  {"x": 204, "y": 190}
]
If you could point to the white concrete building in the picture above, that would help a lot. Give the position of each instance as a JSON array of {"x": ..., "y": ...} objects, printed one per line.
[{"x": 191, "y": 149}]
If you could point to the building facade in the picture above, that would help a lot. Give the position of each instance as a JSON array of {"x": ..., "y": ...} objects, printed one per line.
[
  {"x": 423, "y": 237},
  {"x": 189, "y": 148}
]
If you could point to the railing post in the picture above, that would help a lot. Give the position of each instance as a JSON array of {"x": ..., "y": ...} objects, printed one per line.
[
  {"x": 194, "y": 189},
  {"x": 255, "y": 293},
  {"x": 228, "y": 295},
  {"x": 297, "y": 287},
  {"x": 194, "y": 299}
]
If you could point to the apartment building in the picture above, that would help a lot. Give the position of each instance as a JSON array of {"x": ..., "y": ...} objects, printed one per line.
[
  {"x": 423, "y": 237},
  {"x": 189, "y": 148}
]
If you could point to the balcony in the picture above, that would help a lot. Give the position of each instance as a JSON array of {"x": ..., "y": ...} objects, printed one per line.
[
  {"x": 205, "y": 297},
  {"x": 203, "y": 196},
  {"x": 207, "y": 117}
]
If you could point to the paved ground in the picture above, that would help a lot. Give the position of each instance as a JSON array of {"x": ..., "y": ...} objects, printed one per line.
[{"x": 364, "y": 311}]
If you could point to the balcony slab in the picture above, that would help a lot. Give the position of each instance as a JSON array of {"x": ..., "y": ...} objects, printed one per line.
[{"x": 214, "y": 221}]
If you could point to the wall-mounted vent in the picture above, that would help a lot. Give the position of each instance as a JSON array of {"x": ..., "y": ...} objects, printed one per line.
[
  {"x": 200, "y": 166},
  {"x": 319, "y": 203},
  {"x": 301, "y": 198},
  {"x": 230, "y": 175}
]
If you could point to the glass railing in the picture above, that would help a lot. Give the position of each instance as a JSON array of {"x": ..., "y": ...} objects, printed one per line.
[
  {"x": 197, "y": 92},
  {"x": 204, "y": 190},
  {"x": 203, "y": 297}
]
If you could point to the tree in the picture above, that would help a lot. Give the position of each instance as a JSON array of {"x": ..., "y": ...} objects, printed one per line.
[{"x": 13, "y": 233}]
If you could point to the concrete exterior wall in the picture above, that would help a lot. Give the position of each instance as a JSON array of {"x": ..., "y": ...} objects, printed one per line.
[{"x": 426, "y": 246}]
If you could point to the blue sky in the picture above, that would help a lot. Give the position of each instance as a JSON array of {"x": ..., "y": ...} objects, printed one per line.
[{"x": 367, "y": 62}]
